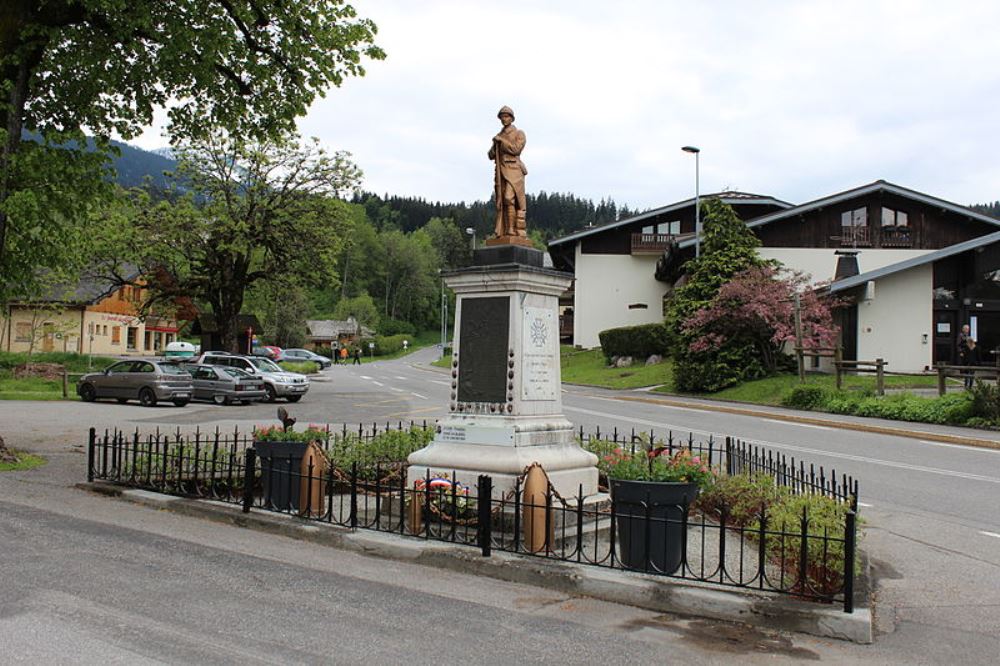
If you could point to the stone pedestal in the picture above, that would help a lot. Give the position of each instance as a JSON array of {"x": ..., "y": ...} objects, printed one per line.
[{"x": 505, "y": 411}]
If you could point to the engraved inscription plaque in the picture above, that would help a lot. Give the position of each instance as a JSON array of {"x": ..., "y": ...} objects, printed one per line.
[
  {"x": 539, "y": 365},
  {"x": 483, "y": 343}
]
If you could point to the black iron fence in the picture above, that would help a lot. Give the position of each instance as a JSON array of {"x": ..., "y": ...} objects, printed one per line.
[{"x": 804, "y": 546}]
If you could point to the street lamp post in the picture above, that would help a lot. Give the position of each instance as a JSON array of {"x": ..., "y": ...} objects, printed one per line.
[
  {"x": 472, "y": 232},
  {"x": 697, "y": 198}
]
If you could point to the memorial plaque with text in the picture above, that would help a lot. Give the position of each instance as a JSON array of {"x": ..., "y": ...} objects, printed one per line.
[
  {"x": 539, "y": 365},
  {"x": 483, "y": 344}
]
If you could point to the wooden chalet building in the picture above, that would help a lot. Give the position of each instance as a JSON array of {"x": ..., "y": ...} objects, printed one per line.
[{"x": 928, "y": 261}]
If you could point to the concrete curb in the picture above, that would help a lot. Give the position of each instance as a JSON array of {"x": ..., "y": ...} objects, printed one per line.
[
  {"x": 632, "y": 589},
  {"x": 811, "y": 420}
]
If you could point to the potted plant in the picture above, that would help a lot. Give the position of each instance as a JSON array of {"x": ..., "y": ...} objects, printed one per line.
[
  {"x": 650, "y": 492},
  {"x": 281, "y": 451}
]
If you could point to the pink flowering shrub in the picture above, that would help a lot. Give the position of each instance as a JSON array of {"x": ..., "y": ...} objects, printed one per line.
[
  {"x": 657, "y": 465},
  {"x": 757, "y": 307}
]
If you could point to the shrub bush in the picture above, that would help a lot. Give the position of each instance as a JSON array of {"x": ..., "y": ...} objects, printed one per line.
[
  {"x": 640, "y": 341},
  {"x": 396, "y": 327},
  {"x": 826, "y": 517},
  {"x": 384, "y": 344},
  {"x": 301, "y": 367},
  {"x": 806, "y": 397},
  {"x": 986, "y": 402},
  {"x": 742, "y": 496}
]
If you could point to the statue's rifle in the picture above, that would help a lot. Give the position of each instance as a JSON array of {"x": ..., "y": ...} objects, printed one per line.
[{"x": 498, "y": 189}]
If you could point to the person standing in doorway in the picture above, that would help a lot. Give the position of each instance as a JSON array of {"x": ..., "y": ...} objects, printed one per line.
[
  {"x": 357, "y": 356},
  {"x": 971, "y": 358},
  {"x": 962, "y": 345}
]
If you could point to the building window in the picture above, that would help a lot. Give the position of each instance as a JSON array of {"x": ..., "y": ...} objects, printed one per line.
[
  {"x": 130, "y": 337},
  {"x": 147, "y": 341},
  {"x": 116, "y": 335},
  {"x": 638, "y": 306},
  {"x": 854, "y": 218},
  {"x": 894, "y": 218},
  {"x": 22, "y": 331}
]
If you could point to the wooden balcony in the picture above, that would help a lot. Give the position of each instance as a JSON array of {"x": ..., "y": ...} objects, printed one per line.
[
  {"x": 896, "y": 237},
  {"x": 651, "y": 243},
  {"x": 855, "y": 237}
]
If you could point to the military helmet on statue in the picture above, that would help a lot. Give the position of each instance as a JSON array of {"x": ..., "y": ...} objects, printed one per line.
[{"x": 506, "y": 109}]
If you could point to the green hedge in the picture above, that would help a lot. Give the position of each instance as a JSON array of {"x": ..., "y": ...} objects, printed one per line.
[
  {"x": 952, "y": 409},
  {"x": 639, "y": 341},
  {"x": 384, "y": 344}
]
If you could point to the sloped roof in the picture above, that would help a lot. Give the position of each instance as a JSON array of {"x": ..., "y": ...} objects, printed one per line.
[
  {"x": 878, "y": 185},
  {"x": 331, "y": 328},
  {"x": 937, "y": 255},
  {"x": 728, "y": 197}
]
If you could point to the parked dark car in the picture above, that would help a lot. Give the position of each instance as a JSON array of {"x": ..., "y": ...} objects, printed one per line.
[
  {"x": 143, "y": 380},
  {"x": 224, "y": 385},
  {"x": 300, "y": 355},
  {"x": 277, "y": 382}
]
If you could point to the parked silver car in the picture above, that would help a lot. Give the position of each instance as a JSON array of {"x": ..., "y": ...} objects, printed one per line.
[
  {"x": 224, "y": 385},
  {"x": 143, "y": 380},
  {"x": 299, "y": 355},
  {"x": 277, "y": 382}
]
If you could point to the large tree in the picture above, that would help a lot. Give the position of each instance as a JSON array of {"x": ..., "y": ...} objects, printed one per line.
[
  {"x": 252, "y": 212},
  {"x": 104, "y": 66}
]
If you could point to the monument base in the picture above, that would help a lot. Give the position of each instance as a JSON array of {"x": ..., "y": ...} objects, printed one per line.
[
  {"x": 509, "y": 240},
  {"x": 508, "y": 254},
  {"x": 503, "y": 447}
]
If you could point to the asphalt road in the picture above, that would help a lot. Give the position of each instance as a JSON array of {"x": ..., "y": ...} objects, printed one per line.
[{"x": 933, "y": 530}]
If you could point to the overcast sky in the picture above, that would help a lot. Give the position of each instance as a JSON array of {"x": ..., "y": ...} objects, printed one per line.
[{"x": 793, "y": 99}]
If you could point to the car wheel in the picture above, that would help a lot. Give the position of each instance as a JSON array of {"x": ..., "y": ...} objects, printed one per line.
[
  {"x": 294, "y": 398},
  {"x": 180, "y": 402},
  {"x": 220, "y": 399},
  {"x": 269, "y": 393},
  {"x": 147, "y": 398},
  {"x": 88, "y": 393},
  {"x": 121, "y": 401}
]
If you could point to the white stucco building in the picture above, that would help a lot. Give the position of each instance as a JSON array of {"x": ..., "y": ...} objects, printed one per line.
[{"x": 909, "y": 241}]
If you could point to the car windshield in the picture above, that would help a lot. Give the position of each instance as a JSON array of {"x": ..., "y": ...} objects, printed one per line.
[
  {"x": 171, "y": 369},
  {"x": 235, "y": 372},
  {"x": 266, "y": 365}
]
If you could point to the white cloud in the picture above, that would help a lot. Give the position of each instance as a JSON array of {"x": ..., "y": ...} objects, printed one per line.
[{"x": 793, "y": 99}]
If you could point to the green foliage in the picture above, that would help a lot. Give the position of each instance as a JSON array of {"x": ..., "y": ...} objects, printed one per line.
[
  {"x": 311, "y": 433},
  {"x": 25, "y": 461},
  {"x": 282, "y": 306},
  {"x": 253, "y": 212},
  {"x": 396, "y": 327},
  {"x": 73, "y": 362},
  {"x": 806, "y": 397},
  {"x": 824, "y": 558},
  {"x": 952, "y": 409},
  {"x": 655, "y": 464},
  {"x": 105, "y": 66},
  {"x": 710, "y": 371},
  {"x": 742, "y": 497},
  {"x": 384, "y": 344},
  {"x": 392, "y": 446},
  {"x": 986, "y": 401},
  {"x": 638, "y": 341},
  {"x": 728, "y": 247},
  {"x": 361, "y": 307},
  {"x": 301, "y": 367}
]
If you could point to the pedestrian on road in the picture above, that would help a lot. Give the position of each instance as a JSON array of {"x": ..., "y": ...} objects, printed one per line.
[
  {"x": 343, "y": 354},
  {"x": 357, "y": 356}
]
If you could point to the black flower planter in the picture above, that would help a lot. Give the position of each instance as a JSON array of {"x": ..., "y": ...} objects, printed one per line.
[
  {"x": 280, "y": 467},
  {"x": 650, "y": 515}
]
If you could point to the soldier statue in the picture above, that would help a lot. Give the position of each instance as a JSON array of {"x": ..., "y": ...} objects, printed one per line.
[{"x": 508, "y": 181}]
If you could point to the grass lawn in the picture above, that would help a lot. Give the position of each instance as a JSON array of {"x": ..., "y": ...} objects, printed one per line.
[
  {"x": 771, "y": 390},
  {"x": 418, "y": 341},
  {"x": 25, "y": 461},
  {"x": 34, "y": 388},
  {"x": 589, "y": 367}
]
